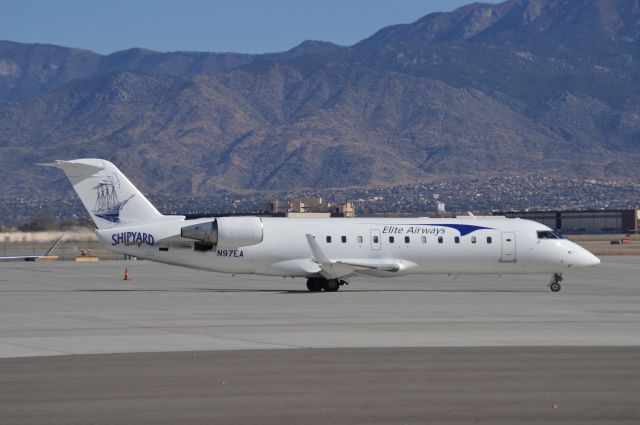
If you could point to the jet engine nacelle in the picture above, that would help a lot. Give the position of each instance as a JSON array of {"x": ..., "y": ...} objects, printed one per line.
[{"x": 231, "y": 232}]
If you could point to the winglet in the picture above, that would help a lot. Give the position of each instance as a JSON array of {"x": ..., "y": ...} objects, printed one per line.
[
  {"x": 54, "y": 246},
  {"x": 318, "y": 256}
]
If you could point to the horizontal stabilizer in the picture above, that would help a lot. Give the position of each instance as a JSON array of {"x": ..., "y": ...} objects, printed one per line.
[{"x": 75, "y": 168}]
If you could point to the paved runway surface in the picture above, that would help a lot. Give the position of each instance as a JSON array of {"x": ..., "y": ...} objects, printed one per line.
[
  {"x": 513, "y": 351},
  {"x": 68, "y": 308},
  {"x": 333, "y": 386}
]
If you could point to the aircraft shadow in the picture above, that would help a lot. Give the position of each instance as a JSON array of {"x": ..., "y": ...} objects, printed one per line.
[
  {"x": 278, "y": 291},
  {"x": 355, "y": 291}
]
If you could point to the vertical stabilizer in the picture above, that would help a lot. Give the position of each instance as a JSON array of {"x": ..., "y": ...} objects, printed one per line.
[{"x": 109, "y": 197}]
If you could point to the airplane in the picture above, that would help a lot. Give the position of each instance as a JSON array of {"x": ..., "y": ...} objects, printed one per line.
[
  {"x": 327, "y": 251},
  {"x": 32, "y": 257}
]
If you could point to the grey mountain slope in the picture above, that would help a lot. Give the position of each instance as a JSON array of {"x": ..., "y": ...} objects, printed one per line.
[
  {"x": 338, "y": 126},
  {"x": 511, "y": 88},
  {"x": 522, "y": 50},
  {"x": 34, "y": 69}
]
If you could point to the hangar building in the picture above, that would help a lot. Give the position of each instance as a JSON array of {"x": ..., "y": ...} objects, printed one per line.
[{"x": 584, "y": 222}]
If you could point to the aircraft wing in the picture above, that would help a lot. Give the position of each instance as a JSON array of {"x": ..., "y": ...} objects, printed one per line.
[
  {"x": 379, "y": 264},
  {"x": 334, "y": 269},
  {"x": 19, "y": 257},
  {"x": 32, "y": 257}
]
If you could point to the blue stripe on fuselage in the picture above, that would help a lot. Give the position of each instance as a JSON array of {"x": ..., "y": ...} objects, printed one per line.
[{"x": 464, "y": 229}]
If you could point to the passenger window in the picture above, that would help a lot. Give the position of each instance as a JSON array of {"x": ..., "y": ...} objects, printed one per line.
[
  {"x": 392, "y": 239},
  {"x": 440, "y": 239},
  {"x": 473, "y": 239},
  {"x": 359, "y": 239},
  {"x": 344, "y": 239},
  {"x": 407, "y": 239},
  {"x": 423, "y": 239},
  {"x": 375, "y": 239},
  {"x": 456, "y": 239},
  {"x": 489, "y": 240},
  {"x": 328, "y": 239}
]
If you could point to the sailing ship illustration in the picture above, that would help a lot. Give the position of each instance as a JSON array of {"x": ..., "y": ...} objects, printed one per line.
[{"x": 108, "y": 205}]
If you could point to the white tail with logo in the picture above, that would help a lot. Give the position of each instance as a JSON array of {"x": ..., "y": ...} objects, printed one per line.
[{"x": 109, "y": 197}]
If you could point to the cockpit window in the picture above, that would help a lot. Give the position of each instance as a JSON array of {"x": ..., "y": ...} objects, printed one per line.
[{"x": 550, "y": 234}]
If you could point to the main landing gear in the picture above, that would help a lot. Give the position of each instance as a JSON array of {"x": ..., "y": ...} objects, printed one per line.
[
  {"x": 317, "y": 284},
  {"x": 554, "y": 285}
]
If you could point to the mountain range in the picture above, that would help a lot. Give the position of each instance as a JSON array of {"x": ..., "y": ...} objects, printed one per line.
[{"x": 520, "y": 87}]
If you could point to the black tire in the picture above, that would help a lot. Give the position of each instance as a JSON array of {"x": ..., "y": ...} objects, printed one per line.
[
  {"x": 331, "y": 285},
  {"x": 314, "y": 285},
  {"x": 555, "y": 287}
]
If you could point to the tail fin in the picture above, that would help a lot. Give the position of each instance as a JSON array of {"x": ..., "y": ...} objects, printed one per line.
[{"x": 109, "y": 197}]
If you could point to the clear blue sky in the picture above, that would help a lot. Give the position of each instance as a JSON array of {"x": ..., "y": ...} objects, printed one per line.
[{"x": 248, "y": 26}]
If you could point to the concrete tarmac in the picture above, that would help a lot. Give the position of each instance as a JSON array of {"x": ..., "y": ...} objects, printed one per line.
[
  {"x": 182, "y": 346},
  {"x": 69, "y": 308},
  {"x": 506, "y": 385}
]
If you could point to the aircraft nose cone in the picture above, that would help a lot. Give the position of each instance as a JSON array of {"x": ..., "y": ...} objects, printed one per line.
[
  {"x": 580, "y": 257},
  {"x": 592, "y": 260},
  {"x": 586, "y": 259}
]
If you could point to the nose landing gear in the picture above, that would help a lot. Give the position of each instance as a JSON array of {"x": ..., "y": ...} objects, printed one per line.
[
  {"x": 554, "y": 285},
  {"x": 317, "y": 284}
]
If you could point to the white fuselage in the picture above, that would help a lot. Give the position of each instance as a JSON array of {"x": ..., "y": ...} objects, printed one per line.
[{"x": 416, "y": 245}]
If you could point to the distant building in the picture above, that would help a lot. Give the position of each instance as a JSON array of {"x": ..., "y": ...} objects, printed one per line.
[
  {"x": 419, "y": 214},
  {"x": 346, "y": 209},
  {"x": 311, "y": 207},
  {"x": 307, "y": 214},
  {"x": 585, "y": 222}
]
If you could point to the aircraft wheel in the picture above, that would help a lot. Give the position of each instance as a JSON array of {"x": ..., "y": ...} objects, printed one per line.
[
  {"x": 314, "y": 285},
  {"x": 331, "y": 285},
  {"x": 555, "y": 287}
]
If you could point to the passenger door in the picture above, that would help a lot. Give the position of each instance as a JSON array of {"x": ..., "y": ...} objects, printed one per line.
[{"x": 508, "y": 247}]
